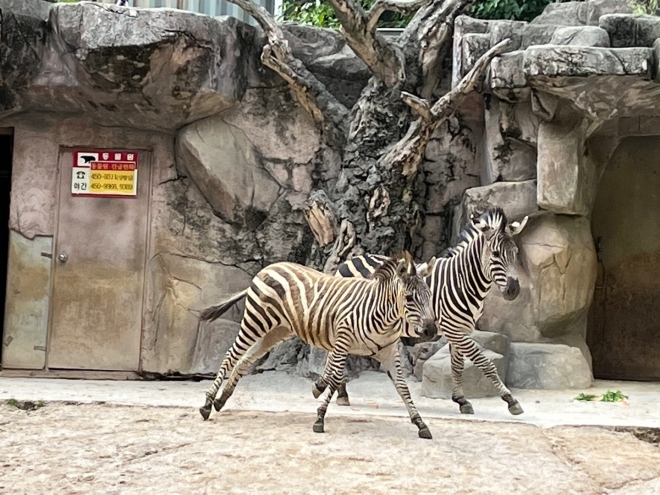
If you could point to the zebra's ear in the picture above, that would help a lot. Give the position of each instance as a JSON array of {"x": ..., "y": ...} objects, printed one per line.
[
  {"x": 425, "y": 269},
  {"x": 406, "y": 265},
  {"x": 516, "y": 228}
]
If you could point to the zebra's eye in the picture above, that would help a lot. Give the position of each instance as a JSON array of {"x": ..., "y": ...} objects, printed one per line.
[
  {"x": 496, "y": 253},
  {"x": 410, "y": 299}
]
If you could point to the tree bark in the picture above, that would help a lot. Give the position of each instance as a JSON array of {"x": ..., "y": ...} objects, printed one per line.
[{"x": 381, "y": 141}]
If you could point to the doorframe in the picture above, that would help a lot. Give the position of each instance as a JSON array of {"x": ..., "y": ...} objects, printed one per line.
[
  {"x": 6, "y": 131},
  {"x": 70, "y": 149}
]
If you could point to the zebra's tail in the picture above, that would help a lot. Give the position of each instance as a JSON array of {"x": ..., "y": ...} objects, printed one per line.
[{"x": 215, "y": 312}]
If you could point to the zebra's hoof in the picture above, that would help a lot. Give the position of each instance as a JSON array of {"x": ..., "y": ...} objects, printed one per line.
[
  {"x": 217, "y": 403},
  {"x": 425, "y": 433},
  {"x": 205, "y": 412},
  {"x": 343, "y": 401},
  {"x": 467, "y": 409},
  {"x": 316, "y": 390},
  {"x": 318, "y": 427},
  {"x": 516, "y": 409}
]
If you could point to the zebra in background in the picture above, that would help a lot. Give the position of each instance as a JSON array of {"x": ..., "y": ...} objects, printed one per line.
[
  {"x": 459, "y": 282},
  {"x": 341, "y": 315}
]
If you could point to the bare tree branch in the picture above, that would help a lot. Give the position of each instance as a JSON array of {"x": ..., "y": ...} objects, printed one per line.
[
  {"x": 382, "y": 6},
  {"x": 408, "y": 152},
  {"x": 324, "y": 108},
  {"x": 420, "y": 105},
  {"x": 384, "y": 59},
  {"x": 436, "y": 34}
]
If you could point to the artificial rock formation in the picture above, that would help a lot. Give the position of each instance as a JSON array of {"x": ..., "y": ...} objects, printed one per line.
[{"x": 241, "y": 163}]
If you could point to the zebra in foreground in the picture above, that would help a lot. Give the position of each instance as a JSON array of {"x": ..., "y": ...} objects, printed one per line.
[
  {"x": 459, "y": 282},
  {"x": 341, "y": 315}
]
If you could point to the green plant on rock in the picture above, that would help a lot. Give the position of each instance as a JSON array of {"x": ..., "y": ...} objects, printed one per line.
[
  {"x": 609, "y": 396},
  {"x": 613, "y": 396},
  {"x": 648, "y": 7},
  {"x": 320, "y": 14}
]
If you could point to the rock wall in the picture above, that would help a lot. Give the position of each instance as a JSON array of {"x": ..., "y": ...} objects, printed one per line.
[
  {"x": 578, "y": 79},
  {"x": 235, "y": 158}
]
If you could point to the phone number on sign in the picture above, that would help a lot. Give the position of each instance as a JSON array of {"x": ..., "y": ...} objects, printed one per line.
[{"x": 107, "y": 187}]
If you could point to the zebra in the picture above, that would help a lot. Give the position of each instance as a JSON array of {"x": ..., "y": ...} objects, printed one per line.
[
  {"x": 459, "y": 282},
  {"x": 340, "y": 315}
]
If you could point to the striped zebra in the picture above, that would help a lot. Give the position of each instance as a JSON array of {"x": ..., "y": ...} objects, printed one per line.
[
  {"x": 341, "y": 315},
  {"x": 459, "y": 282}
]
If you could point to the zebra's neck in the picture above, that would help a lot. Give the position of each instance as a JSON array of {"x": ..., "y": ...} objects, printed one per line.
[
  {"x": 387, "y": 302},
  {"x": 468, "y": 261}
]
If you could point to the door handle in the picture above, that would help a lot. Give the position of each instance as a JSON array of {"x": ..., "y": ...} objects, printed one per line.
[{"x": 63, "y": 257}]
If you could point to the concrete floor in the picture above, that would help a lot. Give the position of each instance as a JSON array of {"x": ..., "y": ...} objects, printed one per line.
[{"x": 371, "y": 394}]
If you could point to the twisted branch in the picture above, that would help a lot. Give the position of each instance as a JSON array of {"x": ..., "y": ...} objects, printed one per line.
[
  {"x": 408, "y": 152},
  {"x": 324, "y": 108}
]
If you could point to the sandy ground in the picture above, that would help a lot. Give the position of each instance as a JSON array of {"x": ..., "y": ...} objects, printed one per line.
[
  {"x": 140, "y": 449},
  {"x": 147, "y": 437}
]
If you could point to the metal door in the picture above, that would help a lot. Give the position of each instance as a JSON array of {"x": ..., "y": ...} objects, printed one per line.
[
  {"x": 624, "y": 321},
  {"x": 98, "y": 281}
]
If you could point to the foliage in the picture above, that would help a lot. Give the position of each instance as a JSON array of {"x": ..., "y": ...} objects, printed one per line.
[
  {"x": 648, "y": 7},
  {"x": 609, "y": 396},
  {"x": 586, "y": 397},
  {"x": 319, "y": 13},
  {"x": 613, "y": 396},
  {"x": 25, "y": 405}
]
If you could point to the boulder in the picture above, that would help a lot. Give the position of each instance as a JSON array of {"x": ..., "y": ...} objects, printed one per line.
[
  {"x": 510, "y": 142},
  {"x": 222, "y": 162},
  {"x": 567, "y": 176},
  {"x": 492, "y": 341},
  {"x": 631, "y": 31},
  {"x": 581, "y": 36},
  {"x": 547, "y": 366},
  {"x": 213, "y": 341},
  {"x": 517, "y": 199},
  {"x": 422, "y": 353},
  {"x": 153, "y": 69},
  {"x": 581, "y": 13},
  {"x": 177, "y": 289},
  {"x": 557, "y": 282},
  {"x": 437, "y": 378}
]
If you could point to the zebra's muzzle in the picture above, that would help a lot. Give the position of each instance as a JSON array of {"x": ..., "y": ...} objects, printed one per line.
[
  {"x": 512, "y": 289},
  {"x": 429, "y": 329}
]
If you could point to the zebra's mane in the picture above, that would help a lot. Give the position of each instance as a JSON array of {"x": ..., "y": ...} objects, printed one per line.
[
  {"x": 494, "y": 217},
  {"x": 388, "y": 268}
]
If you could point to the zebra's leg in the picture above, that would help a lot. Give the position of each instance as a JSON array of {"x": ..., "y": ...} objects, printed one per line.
[
  {"x": 260, "y": 348},
  {"x": 391, "y": 363},
  {"x": 342, "y": 395},
  {"x": 457, "y": 366},
  {"x": 333, "y": 376},
  {"x": 245, "y": 339},
  {"x": 319, "y": 386},
  {"x": 469, "y": 348}
]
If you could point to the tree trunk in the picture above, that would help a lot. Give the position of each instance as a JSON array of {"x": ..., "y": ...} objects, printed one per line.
[{"x": 382, "y": 139}]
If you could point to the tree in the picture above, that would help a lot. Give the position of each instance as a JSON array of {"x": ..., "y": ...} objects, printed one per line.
[{"x": 381, "y": 140}]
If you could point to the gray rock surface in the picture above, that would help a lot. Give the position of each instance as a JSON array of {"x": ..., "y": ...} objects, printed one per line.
[
  {"x": 517, "y": 199},
  {"x": 437, "y": 380},
  {"x": 510, "y": 141},
  {"x": 567, "y": 176},
  {"x": 221, "y": 160},
  {"x": 435, "y": 369},
  {"x": 581, "y": 36},
  {"x": 213, "y": 341},
  {"x": 547, "y": 366},
  {"x": 155, "y": 69}
]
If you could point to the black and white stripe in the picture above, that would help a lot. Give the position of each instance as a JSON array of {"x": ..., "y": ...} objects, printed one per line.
[
  {"x": 459, "y": 282},
  {"x": 341, "y": 315}
]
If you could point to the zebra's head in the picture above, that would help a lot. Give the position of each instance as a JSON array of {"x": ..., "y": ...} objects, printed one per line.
[
  {"x": 415, "y": 297},
  {"x": 500, "y": 255}
]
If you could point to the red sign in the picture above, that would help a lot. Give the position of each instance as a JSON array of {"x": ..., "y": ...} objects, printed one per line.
[{"x": 104, "y": 173}]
